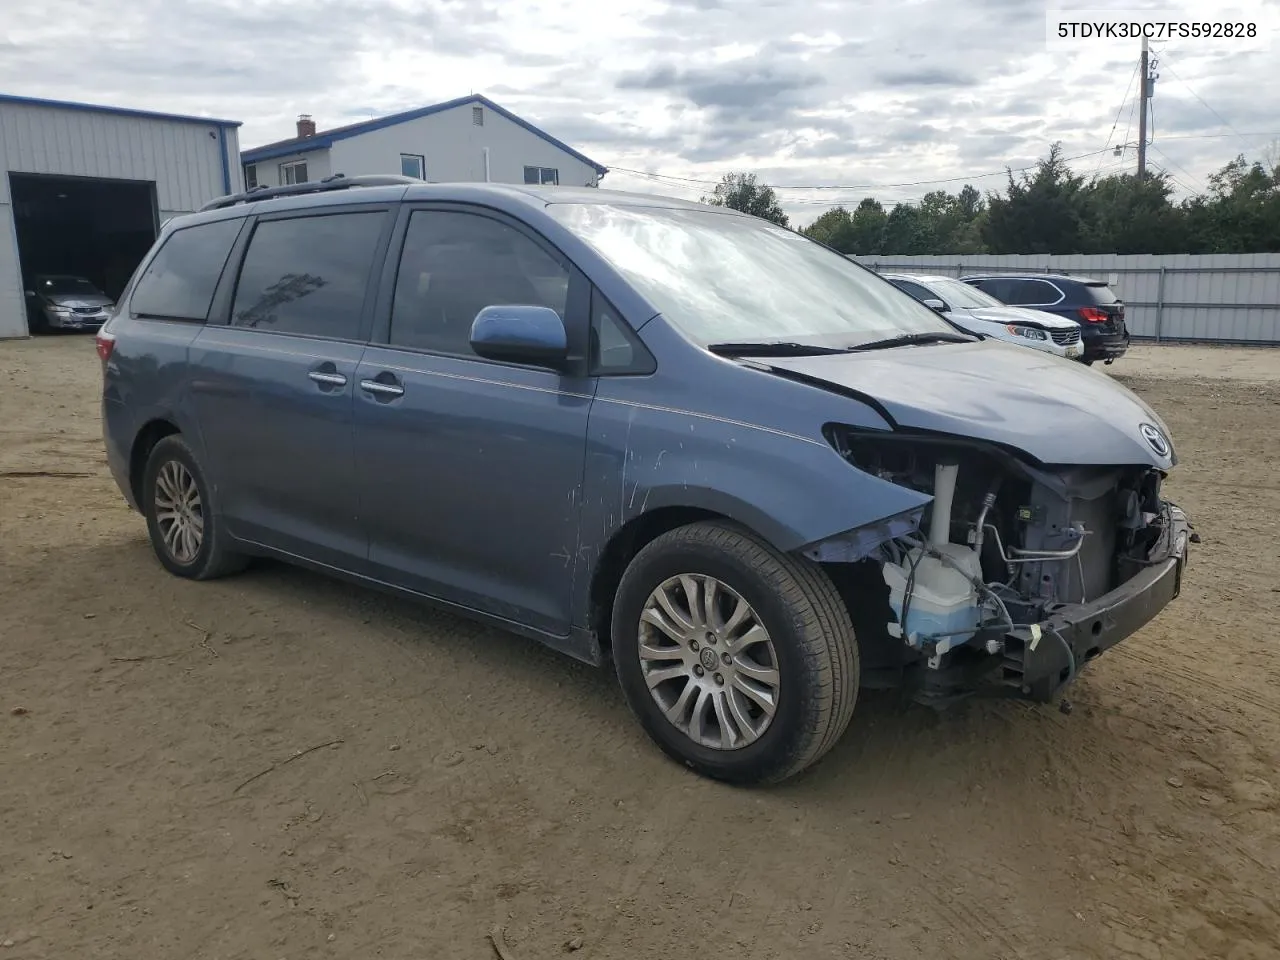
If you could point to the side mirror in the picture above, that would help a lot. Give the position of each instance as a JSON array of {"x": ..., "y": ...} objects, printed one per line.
[
  {"x": 934, "y": 304},
  {"x": 30, "y": 293},
  {"x": 520, "y": 334}
]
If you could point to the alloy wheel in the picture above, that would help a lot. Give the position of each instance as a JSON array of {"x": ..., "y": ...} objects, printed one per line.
[{"x": 708, "y": 662}]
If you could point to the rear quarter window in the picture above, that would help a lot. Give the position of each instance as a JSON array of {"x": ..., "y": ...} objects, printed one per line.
[
  {"x": 179, "y": 281},
  {"x": 1100, "y": 293}
]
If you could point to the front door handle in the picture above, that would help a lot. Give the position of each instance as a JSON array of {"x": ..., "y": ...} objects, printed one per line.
[
  {"x": 381, "y": 388},
  {"x": 328, "y": 379}
]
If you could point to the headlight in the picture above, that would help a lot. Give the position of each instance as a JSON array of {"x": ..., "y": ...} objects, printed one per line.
[
  {"x": 1031, "y": 333},
  {"x": 62, "y": 310}
]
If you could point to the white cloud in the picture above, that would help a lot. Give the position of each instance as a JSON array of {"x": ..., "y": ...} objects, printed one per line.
[{"x": 826, "y": 92}]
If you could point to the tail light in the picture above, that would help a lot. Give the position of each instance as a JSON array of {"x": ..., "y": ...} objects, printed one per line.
[
  {"x": 105, "y": 342},
  {"x": 1094, "y": 315}
]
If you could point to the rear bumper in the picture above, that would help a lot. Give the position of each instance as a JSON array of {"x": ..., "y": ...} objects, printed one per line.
[
  {"x": 1108, "y": 346},
  {"x": 1036, "y": 662}
]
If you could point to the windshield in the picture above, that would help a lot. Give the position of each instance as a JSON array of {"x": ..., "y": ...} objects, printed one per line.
[
  {"x": 64, "y": 285},
  {"x": 959, "y": 294},
  {"x": 724, "y": 278}
]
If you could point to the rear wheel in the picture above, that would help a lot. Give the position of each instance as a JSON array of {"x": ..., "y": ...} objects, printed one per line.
[
  {"x": 186, "y": 531},
  {"x": 738, "y": 660}
]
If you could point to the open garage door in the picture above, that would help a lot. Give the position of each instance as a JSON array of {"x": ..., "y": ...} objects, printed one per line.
[{"x": 88, "y": 227}]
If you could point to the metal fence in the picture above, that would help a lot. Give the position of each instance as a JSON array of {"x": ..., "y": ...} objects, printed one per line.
[{"x": 1216, "y": 298}]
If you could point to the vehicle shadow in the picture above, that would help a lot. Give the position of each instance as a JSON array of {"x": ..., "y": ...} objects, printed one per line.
[{"x": 890, "y": 739}]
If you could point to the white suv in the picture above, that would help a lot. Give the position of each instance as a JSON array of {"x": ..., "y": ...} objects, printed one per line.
[{"x": 981, "y": 313}]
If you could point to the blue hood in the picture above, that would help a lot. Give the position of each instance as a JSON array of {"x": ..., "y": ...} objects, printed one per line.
[{"x": 1056, "y": 411}]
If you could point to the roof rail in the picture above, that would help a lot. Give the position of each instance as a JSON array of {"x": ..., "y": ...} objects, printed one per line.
[{"x": 336, "y": 182}]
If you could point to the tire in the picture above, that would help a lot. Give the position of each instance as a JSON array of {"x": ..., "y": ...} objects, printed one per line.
[
  {"x": 172, "y": 462},
  {"x": 810, "y": 645},
  {"x": 1087, "y": 363}
]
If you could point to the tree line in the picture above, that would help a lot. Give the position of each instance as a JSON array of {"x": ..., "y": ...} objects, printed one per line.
[{"x": 1048, "y": 210}]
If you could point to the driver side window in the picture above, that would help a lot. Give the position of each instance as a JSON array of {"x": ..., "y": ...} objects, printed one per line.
[
  {"x": 453, "y": 265},
  {"x": 915, "y": 289}
]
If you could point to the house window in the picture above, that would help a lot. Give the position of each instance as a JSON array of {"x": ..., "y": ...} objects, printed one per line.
[
  {"x": 412, "y": 165},
  {"x": 542, "y": 175},
  {"x": 295, "y": 172},
  {"x": 477, "y": 116},
  {"x": 250, "y": 176}
]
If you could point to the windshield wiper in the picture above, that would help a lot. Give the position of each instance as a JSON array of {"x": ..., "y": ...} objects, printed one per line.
[
  {"x": 907, "y": 339},
  {"x": 770, "y": 348}
]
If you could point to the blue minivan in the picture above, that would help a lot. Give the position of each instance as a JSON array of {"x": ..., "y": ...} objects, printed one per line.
[{"x": 746, "y": 470}]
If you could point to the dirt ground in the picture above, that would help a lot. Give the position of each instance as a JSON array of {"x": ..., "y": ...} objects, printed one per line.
[{"x": 278, "y": 766}]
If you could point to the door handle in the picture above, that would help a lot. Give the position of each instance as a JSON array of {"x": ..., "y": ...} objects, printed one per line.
[
  {"x": 380, "y": 389},
  {"x": 328, "y": 379}
]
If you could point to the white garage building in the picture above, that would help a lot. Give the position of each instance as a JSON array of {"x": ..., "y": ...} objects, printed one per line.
[
  {"x": 471, "y": 139},
  {"x": 84, "y": 188}
]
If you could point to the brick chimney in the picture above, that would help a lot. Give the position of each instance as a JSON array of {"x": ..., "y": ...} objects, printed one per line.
[{"x": 306, "y": 126}]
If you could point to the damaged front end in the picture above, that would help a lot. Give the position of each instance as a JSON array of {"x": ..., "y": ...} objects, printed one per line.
[{"x": 1012, "y": 578}]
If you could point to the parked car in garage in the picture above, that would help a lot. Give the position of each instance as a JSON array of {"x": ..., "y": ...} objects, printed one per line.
[
  {"x": 65, "y": 302},
  {"x": 1090, "y": 303},
  {"x": 558, "y": 411},
  {"x": 977, "y": 312}
]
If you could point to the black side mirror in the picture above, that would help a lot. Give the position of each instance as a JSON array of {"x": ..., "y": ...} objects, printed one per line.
[{"x": 520, "y": 334}]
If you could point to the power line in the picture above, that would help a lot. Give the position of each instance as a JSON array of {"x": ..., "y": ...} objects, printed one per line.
[
  {"x": 662, "y": 177},
  {"x": 1174, "y": 177},
  {"x": 1170, "y": 159},
  {"x": 1219, "y": 136},
  {"x": 1133, "y": 107},
  {"x": 1165, "y": 57},
  {"x": 1123, "y": 101}
]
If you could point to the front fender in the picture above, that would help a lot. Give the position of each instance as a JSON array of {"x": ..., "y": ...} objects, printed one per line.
[{"x": 791, "y": 490}]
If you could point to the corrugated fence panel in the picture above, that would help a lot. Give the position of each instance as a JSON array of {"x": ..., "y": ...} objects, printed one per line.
[{"x": 1215, "y": 298}]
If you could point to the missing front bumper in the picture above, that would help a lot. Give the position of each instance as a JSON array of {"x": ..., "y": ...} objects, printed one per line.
[{"x": 1035, "y": 665}]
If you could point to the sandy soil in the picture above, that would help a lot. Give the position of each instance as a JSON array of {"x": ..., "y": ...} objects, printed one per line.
[{"x": 157, "y": 796}]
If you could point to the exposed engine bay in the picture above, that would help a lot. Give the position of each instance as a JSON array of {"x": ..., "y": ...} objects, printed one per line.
[{"x": 1003, "y": 548}]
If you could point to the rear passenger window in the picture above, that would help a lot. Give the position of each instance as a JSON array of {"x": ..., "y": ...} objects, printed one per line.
[
  {"x": 996, "y": 288},
  {"x": 1030, "y": 292},
  {"x": 179, "y": 282},
  {"x": 456, "y": 264},
  {"x": 308, "y": 275}
]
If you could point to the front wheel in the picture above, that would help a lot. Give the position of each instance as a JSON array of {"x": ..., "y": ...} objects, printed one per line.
[{"x": 738, "y": 660}]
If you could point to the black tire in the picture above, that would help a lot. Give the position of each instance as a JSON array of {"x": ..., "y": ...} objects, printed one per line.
[
  {"x": 213, "y": 558},
  {"x": 1087, "y": 363},
  {"x": 808, "y": 623}
]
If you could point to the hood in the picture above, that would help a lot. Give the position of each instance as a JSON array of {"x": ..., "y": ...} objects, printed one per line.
[
  {"x": 1056, "y": 411},
  {"x": 1034, "y": 318},
  {"x": 77, "y": 300}
]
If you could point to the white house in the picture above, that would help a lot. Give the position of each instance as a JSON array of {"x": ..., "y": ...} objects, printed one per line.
[{"x": 470, "y": 139}]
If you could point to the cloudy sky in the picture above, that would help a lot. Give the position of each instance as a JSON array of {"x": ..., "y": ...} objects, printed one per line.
[{"x": 889, "y": 97}]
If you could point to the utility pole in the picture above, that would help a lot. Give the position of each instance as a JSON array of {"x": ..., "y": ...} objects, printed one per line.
[{"x": 1144, "y": 95}]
